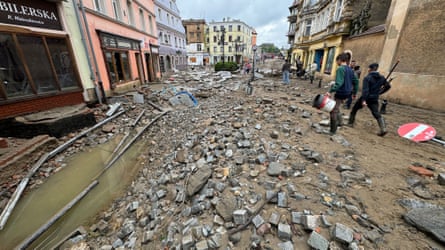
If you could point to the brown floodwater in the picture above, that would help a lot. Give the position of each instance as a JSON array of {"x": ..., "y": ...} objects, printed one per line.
[{"x": 35, "y": 208}]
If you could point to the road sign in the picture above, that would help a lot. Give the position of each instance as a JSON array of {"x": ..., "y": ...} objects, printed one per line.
[{"x": 417, "y": 132}]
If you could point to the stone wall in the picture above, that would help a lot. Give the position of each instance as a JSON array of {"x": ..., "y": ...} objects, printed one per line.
[
  {"x": 365, "y": 49},
  {"x": 422, "y": 38}
]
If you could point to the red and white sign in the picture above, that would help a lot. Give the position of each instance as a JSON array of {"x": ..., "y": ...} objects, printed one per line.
[{"x": 417, "y": 132}]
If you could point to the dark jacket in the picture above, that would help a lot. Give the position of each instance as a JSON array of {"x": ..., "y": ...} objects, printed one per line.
[
  {"x": 346, "y": 82},
  {"x": 286, "y": 67},
  {"x": 372, "y": 84}
]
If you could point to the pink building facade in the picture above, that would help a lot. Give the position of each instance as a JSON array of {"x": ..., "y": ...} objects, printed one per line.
[{"x": 122, "y": 42}]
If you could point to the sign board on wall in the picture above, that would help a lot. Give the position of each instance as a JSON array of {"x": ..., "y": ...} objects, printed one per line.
[{"x": 35, "y": 13}]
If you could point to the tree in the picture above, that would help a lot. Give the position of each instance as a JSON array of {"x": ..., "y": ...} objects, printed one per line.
[{"x": 269, "y": 48}]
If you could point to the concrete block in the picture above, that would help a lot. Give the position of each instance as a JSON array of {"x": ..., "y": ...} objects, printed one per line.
[
  {"x": 342, "y": 233},
  {"x": 240, "y": 217},
  {"x": 284, "y": 231},
  {"x": 317, "y": 241},
  {"x": 257, "y": 221}
]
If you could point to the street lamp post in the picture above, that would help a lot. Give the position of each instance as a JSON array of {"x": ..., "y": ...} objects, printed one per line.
[{"x": 254, "y": 48}]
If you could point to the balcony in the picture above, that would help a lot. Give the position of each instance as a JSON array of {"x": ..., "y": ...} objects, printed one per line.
[{"x": 292, "y": 18}]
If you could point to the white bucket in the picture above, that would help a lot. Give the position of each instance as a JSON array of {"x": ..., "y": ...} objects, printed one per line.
[{"x": 324, "y": 103}]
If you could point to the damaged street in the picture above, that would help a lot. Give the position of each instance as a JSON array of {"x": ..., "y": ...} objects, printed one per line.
[{"x": 218, "y": 168}]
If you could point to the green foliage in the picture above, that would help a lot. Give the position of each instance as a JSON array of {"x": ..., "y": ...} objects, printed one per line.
[
  {"x": 226, "y": 66},
  {"x": 269, "y": 48}
]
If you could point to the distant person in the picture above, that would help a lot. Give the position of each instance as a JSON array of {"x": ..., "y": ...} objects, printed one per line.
[
  {"x": 299, "y": 65},
  {"x": 372, "y": 85},
  {"x": 286, "y": 72},
  {"x": 345, "y": 84},
  {"x": 356, "y": 68}
]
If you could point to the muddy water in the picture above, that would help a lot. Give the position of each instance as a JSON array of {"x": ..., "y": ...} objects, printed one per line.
[{"x": 37, "y": 207}]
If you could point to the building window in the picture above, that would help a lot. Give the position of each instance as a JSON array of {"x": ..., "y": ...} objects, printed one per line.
[
  {"x": 130, "y": 13},
  {"x": 215, "y": 49},
  {"x": 159, "y": 14},
  {"x": 99, "y": 6},
  {"x": 168, "y": 18},
  {"x": 118, "y": 66},
  {"x": 198, "y": 36},
  {"x": 49, "y": 62},
  {"x": 338, "y": 10},
  {"x": 230, "y": 48},
  {"x": 214, "y": 29},
  {"x": 230, "y": 38},
  {"x": 199, "y": 47},
  {"x": 150, "y": 22},
  {"x": 117, "y": 9},
  {"x": 239, "y": 28},
  {"x": 141, "y": 16},
  {"x": 221, "y": 49},
  {"x": 307, "y": 30},
  {"x": 329, "y": 61},
  {"x": 230, "y": 28},
  {"x": 215, "y": 39},
  {"x": 176, "y": 42},
  {"x": 165, "y": 38},
  {"x": 238, "y": 39}
]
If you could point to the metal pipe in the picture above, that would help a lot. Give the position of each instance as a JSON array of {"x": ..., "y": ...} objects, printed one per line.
[
  {"x": 82, "y": 35},
  {"x": 85, "y": 22}
]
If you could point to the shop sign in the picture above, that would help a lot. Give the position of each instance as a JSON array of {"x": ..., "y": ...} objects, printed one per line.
[{"x": 33, "y": 13}]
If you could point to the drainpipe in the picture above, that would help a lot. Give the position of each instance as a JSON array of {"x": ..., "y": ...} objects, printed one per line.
[
  {"x": 82, "y": 34},
  {"x": 99, "y": 79}
]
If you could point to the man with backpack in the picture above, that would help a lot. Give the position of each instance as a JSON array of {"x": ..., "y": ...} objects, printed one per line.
[{"x": 346, "y": 83}]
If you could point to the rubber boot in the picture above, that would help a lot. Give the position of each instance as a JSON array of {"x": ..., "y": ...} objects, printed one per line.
[
  {"x": 339, "y": 119},
  {"x": 333, "y": 126},
  {"x": 382, "y": 126},
  {"x": 383, "y": 107},
  {"x": 351, "y": 120}
]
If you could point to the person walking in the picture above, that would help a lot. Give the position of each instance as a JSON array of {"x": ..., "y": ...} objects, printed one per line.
[
  {"x": 346, "y": 83},
  {"x": 357, "y": 72},
  {"x": 372, "y": 84},
  {"x": 286, "y": 71}
]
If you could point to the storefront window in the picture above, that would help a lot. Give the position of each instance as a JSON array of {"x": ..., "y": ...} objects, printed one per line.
[
  {"x": 330, "y": 60},
  {"x": 62, "y": 62},
  {"x": 14, "y": 82},
  {"x": 118, "y": 66},
  {"x": 38, "y": 63}
]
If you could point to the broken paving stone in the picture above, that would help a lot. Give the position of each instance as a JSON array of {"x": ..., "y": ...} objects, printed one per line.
[
  {"x": 441, "y": 178},
  {"x": 429, "y": 220},
  {"x": 317, "y": 241},
  {"x": 198, "y": 180},
  {"x": 240, "y": 217},
  {"x": 202, "y": 245},
  {"x": 374, "y": 236},
  {"x": 316, "y": 157},
  {"x": 257, "y": 221},
  {"x": 282, "y": 199},
  {"x": 342, "y": 233},
  {"x": 226, "y": 206},
  {"x": 423, "y": 192},
  {"x": 350, "y": 175},
  {"x": 296, "y": 217},
  {"x": 341, "y": 168},
  {"x": 275, "y": 169},
  {"x": 286, "y": 245},
  {"x": 274, "y": 134},
  {"x": 271, "y": 196},
  {"x": 187, "y": 242},
  {"x": 309, "y": 222},
  {"x": 274, "y": 218},
  {"x": 284, "y": 231}
]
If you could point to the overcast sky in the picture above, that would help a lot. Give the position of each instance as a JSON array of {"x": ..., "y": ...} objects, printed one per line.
[{"x": 268, "y": 18}]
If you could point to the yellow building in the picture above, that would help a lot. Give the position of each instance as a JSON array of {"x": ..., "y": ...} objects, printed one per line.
[
  {"x": 229, "y": 41},
  {"x": 316, "y": 32}
]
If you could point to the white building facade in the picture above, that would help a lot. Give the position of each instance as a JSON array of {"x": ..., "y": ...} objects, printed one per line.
[{"x": 171, "y": 35}]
